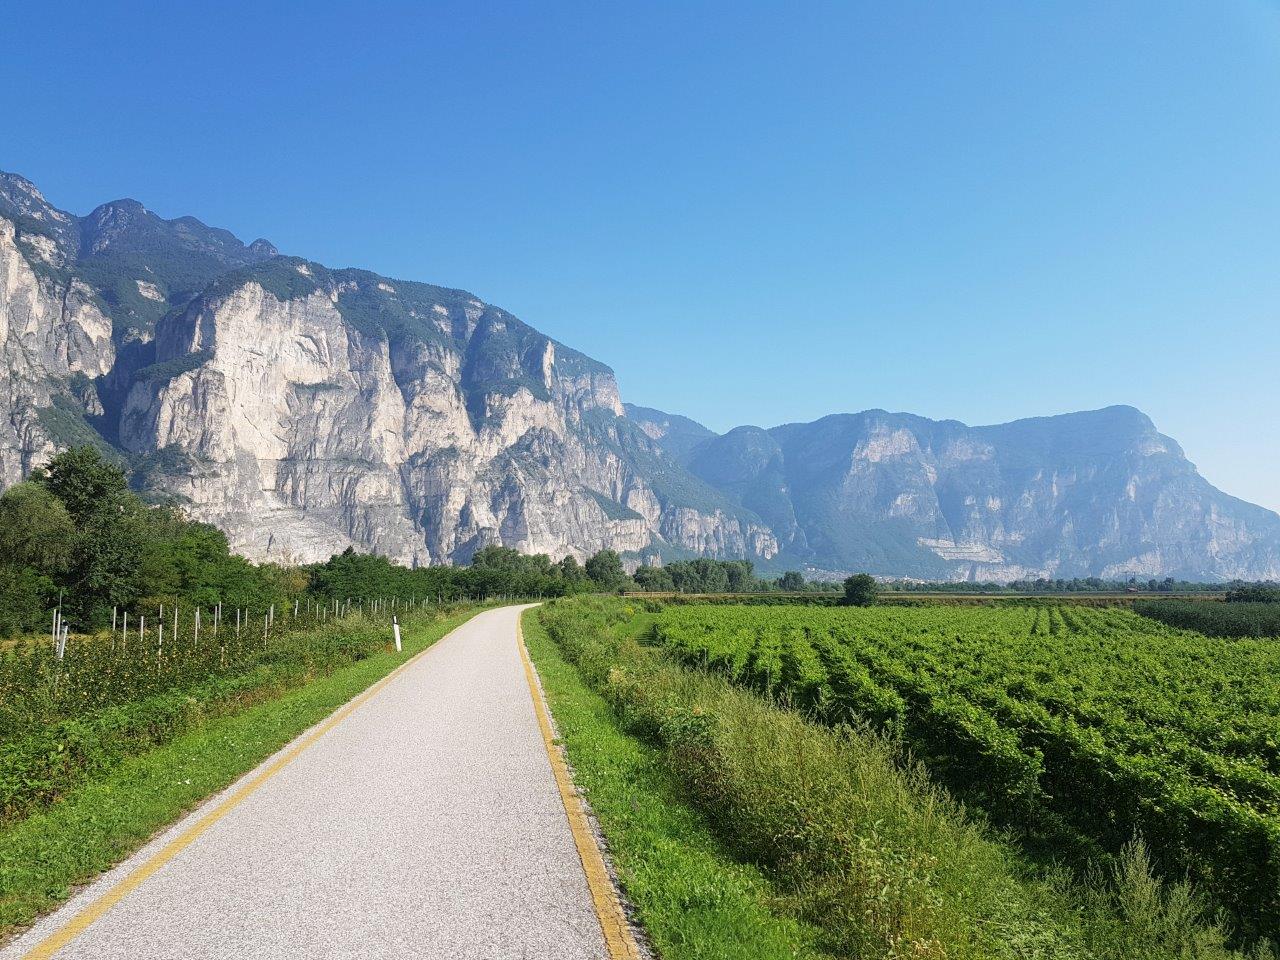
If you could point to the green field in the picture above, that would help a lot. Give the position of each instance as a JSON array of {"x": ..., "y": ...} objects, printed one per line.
[{"x": 1083, "y": 727}]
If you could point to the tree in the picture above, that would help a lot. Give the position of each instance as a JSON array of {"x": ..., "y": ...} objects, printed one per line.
[
  {"x": 605, "y": 568},
  {"x": 1254, "y": 593},
  {"x": 25, "y": 598},
  {"x": 792, "y": 581},
  {"x": 860, "y": 590},
  {"x": 83, "y": 481},
  {"x": 741, "y": 576},
  {"x": 35, "y": 529},
  {"x": 653, "y": 579},
  {"x": 570, "y": 570},
  {"x": 106, "y": 560}
]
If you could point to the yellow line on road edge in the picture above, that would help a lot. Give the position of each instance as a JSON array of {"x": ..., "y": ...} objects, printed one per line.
[
  {"x": 613, "y": 922},
  {"x": 77, "y": 925}
]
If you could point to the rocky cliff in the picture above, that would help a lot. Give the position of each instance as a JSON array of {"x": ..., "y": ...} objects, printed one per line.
[
  {"x": 1101, "y": 493},
  {"x": 304, "y": 410}
]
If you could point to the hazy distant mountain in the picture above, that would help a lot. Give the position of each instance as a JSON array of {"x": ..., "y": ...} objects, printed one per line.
[
  {"x": 1098, "y": 493},
  {"x": 678, "y": 436},
  {"x": 305, "y": 409}
]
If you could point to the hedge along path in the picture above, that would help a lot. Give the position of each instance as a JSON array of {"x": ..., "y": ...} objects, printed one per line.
[{"x": 424, "y": 819}]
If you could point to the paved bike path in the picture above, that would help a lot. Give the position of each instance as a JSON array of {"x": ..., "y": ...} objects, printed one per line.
[{"x": 426, "y": 823}]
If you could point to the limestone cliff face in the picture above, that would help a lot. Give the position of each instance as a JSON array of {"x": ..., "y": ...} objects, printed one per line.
[
  {"x": 54, "y": 340},
  {"x": 305, "y": 410}
]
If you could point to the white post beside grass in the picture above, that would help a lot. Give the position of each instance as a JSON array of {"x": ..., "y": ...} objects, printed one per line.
[{"x": 395, "y": 629}]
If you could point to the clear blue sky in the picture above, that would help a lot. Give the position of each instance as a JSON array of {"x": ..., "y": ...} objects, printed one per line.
[{"x": 754, "y": 213}]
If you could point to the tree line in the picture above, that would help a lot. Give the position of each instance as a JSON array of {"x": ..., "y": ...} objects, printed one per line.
[
  {"x": 1061, "y": 585},
  {"x": 75, "y": 537}
]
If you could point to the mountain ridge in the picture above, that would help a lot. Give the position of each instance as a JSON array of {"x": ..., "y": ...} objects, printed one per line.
[
  {"x": 304, "y": 409},
  {"x": 948, "y": 536}
]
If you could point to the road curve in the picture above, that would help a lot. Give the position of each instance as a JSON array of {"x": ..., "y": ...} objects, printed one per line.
[{"x": 425, "y": 823}]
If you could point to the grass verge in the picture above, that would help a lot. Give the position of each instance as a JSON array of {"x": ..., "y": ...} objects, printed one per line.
[
  {"x": 104, "y": 819},
  {"x": 695, "y": 902}
]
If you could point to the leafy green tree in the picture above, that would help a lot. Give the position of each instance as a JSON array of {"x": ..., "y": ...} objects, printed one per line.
[
  {"x": 653, "y": 579},
  {"x": 570, "y": 570},
  {"x": 352, "y": 575},
  {"x": 498, "y": 558},
  {"x": 513, "y": 561},
  {"x": 860, "y": 590},
  {"x": 106, "y": 561},
  {"x": 741, "y": 576},
  {"x": 25, "y": 599},
  {"x": 606, "y": 570},
  {"x": 1254, "y": 593},
  {"x": 792, "y": 581},
  {"x": 83, "y": 481},
  {"x": 35, "y": 529}
]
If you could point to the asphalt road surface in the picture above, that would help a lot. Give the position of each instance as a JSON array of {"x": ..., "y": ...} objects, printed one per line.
[{"x": 425, "y": 823}]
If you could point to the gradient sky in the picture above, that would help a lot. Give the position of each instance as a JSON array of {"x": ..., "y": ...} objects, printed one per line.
[{"x": 754, "y": 213}]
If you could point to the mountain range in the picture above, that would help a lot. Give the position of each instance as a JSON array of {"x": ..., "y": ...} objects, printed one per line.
[{"x": 304, "y": 409}]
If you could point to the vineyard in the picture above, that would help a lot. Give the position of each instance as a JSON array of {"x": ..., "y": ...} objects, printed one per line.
[
  {"x": 1216, "y": 619},
  {"x": 1090, "y": 723}
]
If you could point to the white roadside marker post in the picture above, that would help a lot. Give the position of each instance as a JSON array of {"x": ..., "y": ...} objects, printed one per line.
[
  {"x": 60, "y": 629},
  {"x": 395, "y": 628}
]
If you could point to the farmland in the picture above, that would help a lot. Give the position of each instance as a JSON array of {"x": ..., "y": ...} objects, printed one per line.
[
  {"x": 1077, "y": 727},
  {"x": 1238, "y": 619}
]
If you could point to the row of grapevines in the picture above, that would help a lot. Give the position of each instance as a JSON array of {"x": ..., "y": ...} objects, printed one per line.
[{"x": 1096, "y": 718}]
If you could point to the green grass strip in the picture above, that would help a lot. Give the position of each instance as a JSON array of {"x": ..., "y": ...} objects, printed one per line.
[
  {"x": 695, "y": 902},
  {"x": 102, "y": 821}
]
